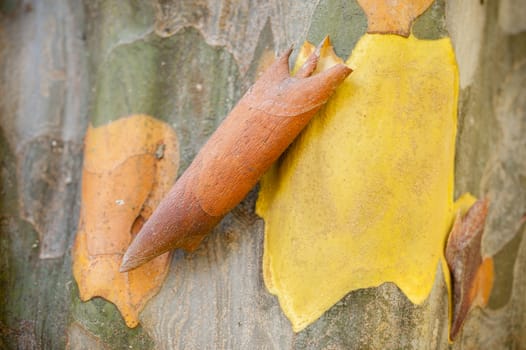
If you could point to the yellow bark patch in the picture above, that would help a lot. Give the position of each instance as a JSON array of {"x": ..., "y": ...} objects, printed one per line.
[
  {"x": 365, "y": 194},
  {"x": 129, "y": 165}
]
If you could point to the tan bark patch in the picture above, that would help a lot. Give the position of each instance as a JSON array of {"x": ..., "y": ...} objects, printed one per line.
[{"x": 393, "y": 17}]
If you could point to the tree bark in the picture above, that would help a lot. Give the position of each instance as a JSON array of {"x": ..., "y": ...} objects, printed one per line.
[{"x": 65, "y": 64}]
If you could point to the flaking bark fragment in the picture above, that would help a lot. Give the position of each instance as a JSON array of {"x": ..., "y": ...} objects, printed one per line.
[
  {"x": 122, "y": 183},
  {"x": 472, "y": 276},
  {"x": 392, "y": 17}
]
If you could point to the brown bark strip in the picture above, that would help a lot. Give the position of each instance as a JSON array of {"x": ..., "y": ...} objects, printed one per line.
[
  {"x": 472, "y": 276},
  {"x": 255, "y": 133}
]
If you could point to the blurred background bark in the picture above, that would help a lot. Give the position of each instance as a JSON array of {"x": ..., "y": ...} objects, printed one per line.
[{"x": 66, "y": 63}]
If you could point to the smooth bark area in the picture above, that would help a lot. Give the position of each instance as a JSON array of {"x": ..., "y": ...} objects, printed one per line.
[{"x": 64, "y": 64}]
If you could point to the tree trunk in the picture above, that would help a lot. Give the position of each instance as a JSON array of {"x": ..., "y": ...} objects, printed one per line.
[{"x": 65, "y": 64}]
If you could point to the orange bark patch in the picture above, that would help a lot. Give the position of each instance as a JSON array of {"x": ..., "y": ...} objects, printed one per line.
[
  {"x": 483, "y": 284},
  {"x": 393, "y": 17},
  {"x": 129, "y": 165}
]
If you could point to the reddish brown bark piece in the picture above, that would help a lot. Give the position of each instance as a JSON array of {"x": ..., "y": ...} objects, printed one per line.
[
  {"x": 472, "y": 275},
  {"x": 259, "y": 128}
]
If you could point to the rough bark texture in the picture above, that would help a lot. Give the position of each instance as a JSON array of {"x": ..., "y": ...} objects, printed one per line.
[{"x": 65, "y": 63}]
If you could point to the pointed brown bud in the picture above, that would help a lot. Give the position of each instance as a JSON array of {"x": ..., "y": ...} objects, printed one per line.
[{"x": 255, "y": 133}]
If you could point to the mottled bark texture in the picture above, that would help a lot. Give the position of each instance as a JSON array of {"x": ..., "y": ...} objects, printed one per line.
[{"x": 65, "y": 63}]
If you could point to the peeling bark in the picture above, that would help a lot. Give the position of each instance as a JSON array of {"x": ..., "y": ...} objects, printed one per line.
[{"x": 66, "y": 63}]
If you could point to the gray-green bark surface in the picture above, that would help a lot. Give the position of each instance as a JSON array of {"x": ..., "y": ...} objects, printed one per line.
[{"x": 65, "y": 63}]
